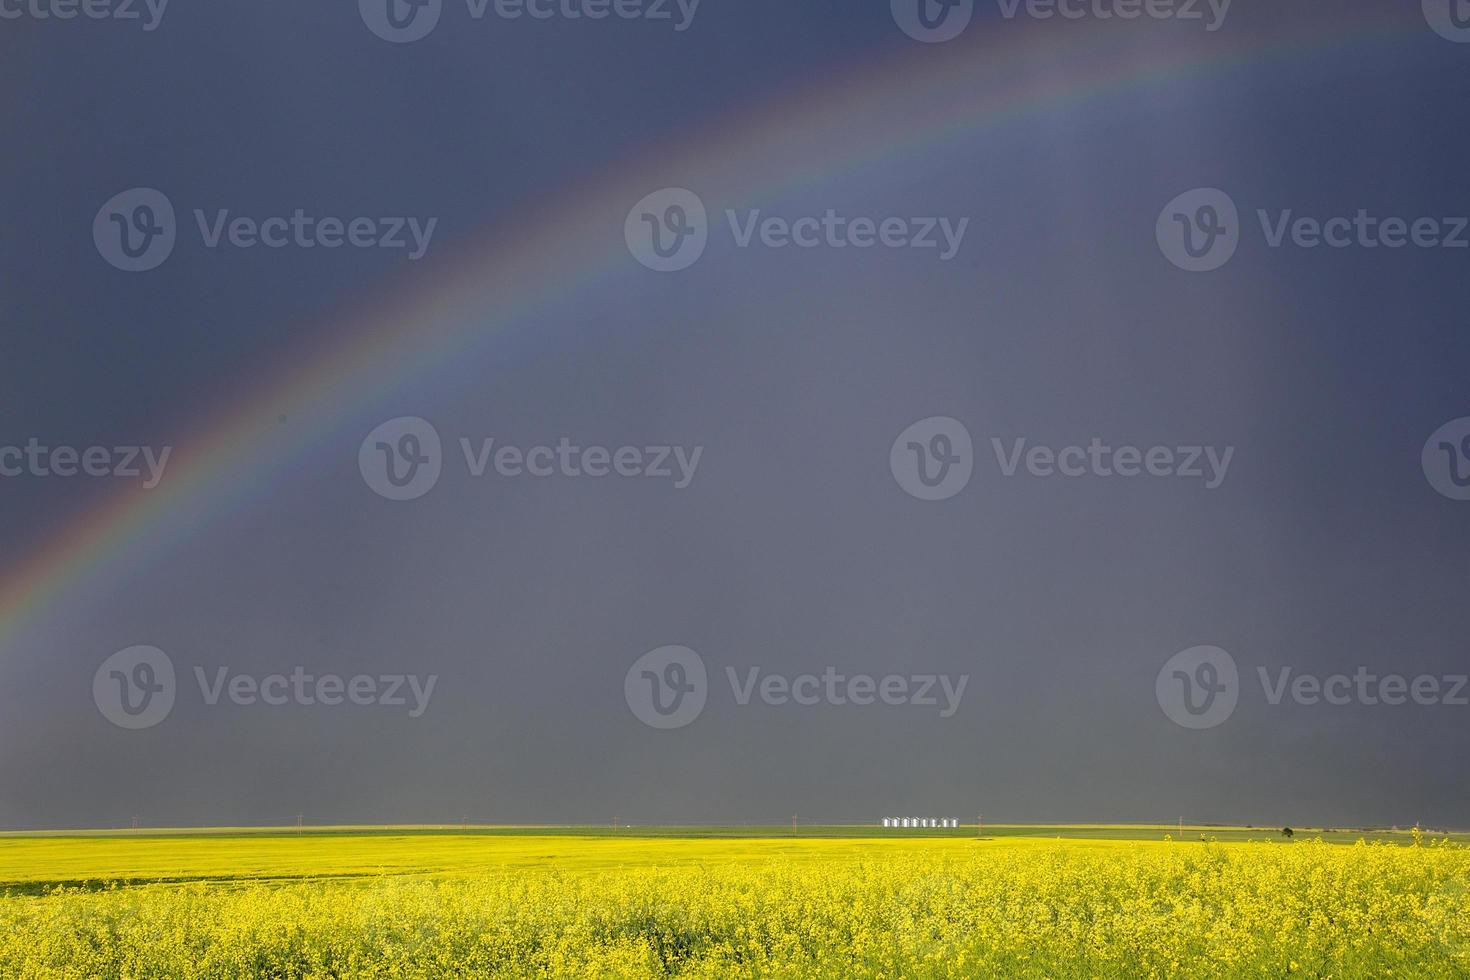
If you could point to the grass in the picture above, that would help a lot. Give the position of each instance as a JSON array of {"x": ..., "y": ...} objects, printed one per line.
[{"x": 1022, "y": 901}]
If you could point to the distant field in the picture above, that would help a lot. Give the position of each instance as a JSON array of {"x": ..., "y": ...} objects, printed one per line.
[
  {"x": 1056, "y": 901},
  {"x": 32, "y": 861}
]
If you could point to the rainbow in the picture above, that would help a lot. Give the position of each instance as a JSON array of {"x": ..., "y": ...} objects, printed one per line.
[{"x": 925, "y": 96}]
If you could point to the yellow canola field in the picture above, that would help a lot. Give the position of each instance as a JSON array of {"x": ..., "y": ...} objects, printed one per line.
[{"x": 513, "y": 906}]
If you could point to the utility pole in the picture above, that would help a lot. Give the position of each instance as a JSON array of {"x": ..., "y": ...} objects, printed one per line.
[
  {"x": 299, "y": 818},
  {"x": 979, "y": 825},
  {"x": 135, "y": 821},
  {"x": 793, "y": 825},
  {"x": 1181, "y": 828}
]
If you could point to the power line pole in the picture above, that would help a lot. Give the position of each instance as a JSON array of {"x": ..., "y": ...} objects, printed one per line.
[
  {"x": 299, "y": 818},
  {"x": 793, "y": 825}
]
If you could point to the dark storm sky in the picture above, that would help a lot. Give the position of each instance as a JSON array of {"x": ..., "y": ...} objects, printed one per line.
[{"x": 794, "y": 549}]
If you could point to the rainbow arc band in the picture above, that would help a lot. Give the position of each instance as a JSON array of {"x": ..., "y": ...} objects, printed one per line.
[{"x": 435, "y": 318}]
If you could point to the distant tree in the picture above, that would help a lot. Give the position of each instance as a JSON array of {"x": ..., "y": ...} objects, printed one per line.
[{"x": 1286, "y": 832}]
